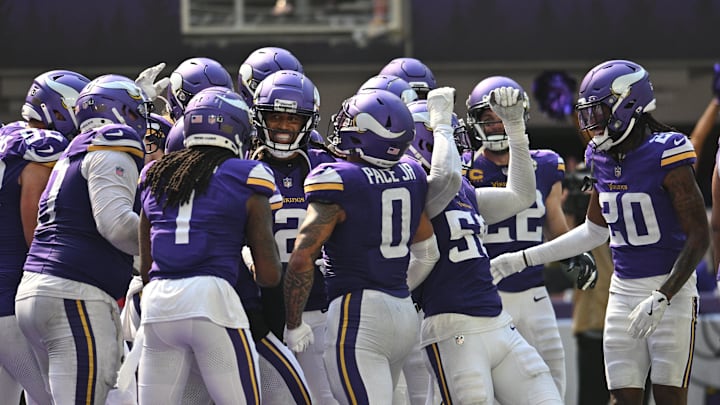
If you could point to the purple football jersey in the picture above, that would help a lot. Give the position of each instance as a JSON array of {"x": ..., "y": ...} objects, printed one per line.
[
  {"x": 290, "y": 176},
  {"x": 645, "y": 234},
  {"x": 19, "y": 146},
  {"x": 526, "y": 228},
  {"x": 67, "y": 243},
  {"x": 370, "y": 249},
  {"x": 460, "y": 282},
  {"x": 205, "y": 236}
]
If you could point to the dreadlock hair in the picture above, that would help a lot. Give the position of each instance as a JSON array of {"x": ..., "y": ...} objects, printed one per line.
[
  {"x": 173, "y": 178},
  {"x": 655, "y": 125},
  {"x": 646, "y": 124}
]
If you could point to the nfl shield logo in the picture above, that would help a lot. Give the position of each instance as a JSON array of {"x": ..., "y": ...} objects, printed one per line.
[
  {"x": 287, "y": 182},
  {"x": 618, "y": 171}
]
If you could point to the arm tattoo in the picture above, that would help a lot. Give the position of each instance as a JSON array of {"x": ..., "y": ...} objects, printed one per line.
[
  {"x": 314, "y": 231},
  {"x": 296, "y": 290},
  {"x": 318, "y": 227},
  {"x": 690, "y": 210}
]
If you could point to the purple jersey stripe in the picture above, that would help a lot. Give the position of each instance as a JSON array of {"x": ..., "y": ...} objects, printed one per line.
[
  {"x": 246, "y": 365},
  {"x": 289, "y": 374},
  {"x": 691, "y": 349},
  {"x": 433, "y": 354},
  {"x": 86, "y": 374},
  {"x": 347, "y": 338}
]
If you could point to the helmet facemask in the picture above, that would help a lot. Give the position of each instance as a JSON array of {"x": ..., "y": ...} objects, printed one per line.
[{"x": 277, "y": 147}]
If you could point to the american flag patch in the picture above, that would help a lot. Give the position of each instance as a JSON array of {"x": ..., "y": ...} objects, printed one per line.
[
  {"x": 119, "y": 171},
  {"x": 196, "y": 119},
  {"x": 393, "y": 151}
]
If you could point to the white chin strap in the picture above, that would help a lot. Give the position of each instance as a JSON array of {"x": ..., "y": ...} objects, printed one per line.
[
  {"x": 604, "y": 142},
  {"x": 497, "y": 145}
]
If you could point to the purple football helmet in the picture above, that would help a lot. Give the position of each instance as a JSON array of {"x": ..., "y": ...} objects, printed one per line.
[
  {"x": 218, "y": 116},
  {"x": 419, "y": 76},
  {"x": 613, "y": 95},
  {"x": 112, "y": 99},
  {"x": 175, "y": 138},
  {"x": 289, "y": 92},
  {"x": 260, "y": 64},
  {"x": 157, "y": 132},
  {"x": 190, "y": 77},
  {"x": 375, "y": 125},
  {"x": 462, "y": 139},
  {"x": 479, "y": 100},
  {"x": 421, "y": 147},
  {"x": 51, "y": 100},
  {"x": 316, "y": 138},
  {"x": 393, "y": 84}
]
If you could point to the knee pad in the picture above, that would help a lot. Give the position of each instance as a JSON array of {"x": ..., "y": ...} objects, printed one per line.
[{"x": 470, "y": 388}]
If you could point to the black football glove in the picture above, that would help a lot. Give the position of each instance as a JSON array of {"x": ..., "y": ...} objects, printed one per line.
[{"x": 586, "y": 269}]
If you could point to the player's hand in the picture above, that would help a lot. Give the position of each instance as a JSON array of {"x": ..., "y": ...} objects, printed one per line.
[
  {"x": 440, "y": 104},
  {"x": 647, "y": 314},
  {"x": 586, "y": 269},
  {"x": 248, "y": 258},
  {"x": 146, "y": 81},
  {"x": 298, "y": 339},
  {"x": 320, "y": 263},
  {"x": 509, "y": 104},
  {"x": 507, "y": 264}
]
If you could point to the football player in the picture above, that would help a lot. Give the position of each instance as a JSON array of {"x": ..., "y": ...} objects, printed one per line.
[
  {"x": 472, "y": 347},
  {"x": 27, "y": 156},
  {"x": 645, "y": 197},
  {"x": 286, "y": 111},
  {"x": 80, "y": 259},
  {"x": 367, "y": 213},
  {"x": 190, "y": 201},
  {"x": 524, "y": 295}
]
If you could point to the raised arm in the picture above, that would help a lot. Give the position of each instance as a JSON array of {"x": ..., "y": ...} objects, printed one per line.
[
  {"x": 445, "y": 175},
  {"x": 498, "y": 203}
]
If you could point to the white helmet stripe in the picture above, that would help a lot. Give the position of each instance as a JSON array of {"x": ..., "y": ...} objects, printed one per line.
[{"x": 366, "y": 122}]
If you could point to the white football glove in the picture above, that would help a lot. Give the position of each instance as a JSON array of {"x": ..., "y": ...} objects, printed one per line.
[
  {"x": 440, "y": 104},
  {"x": 247, "y": 258},
  {"x": 146, "y": 81},
  {"x": 298, "y": 339},
  {"x": 320, "y": 263},
  {"x": 507, "y": 264},
  {"x": 509, "y": 104},
  {"x": 647, "y": 314}
]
